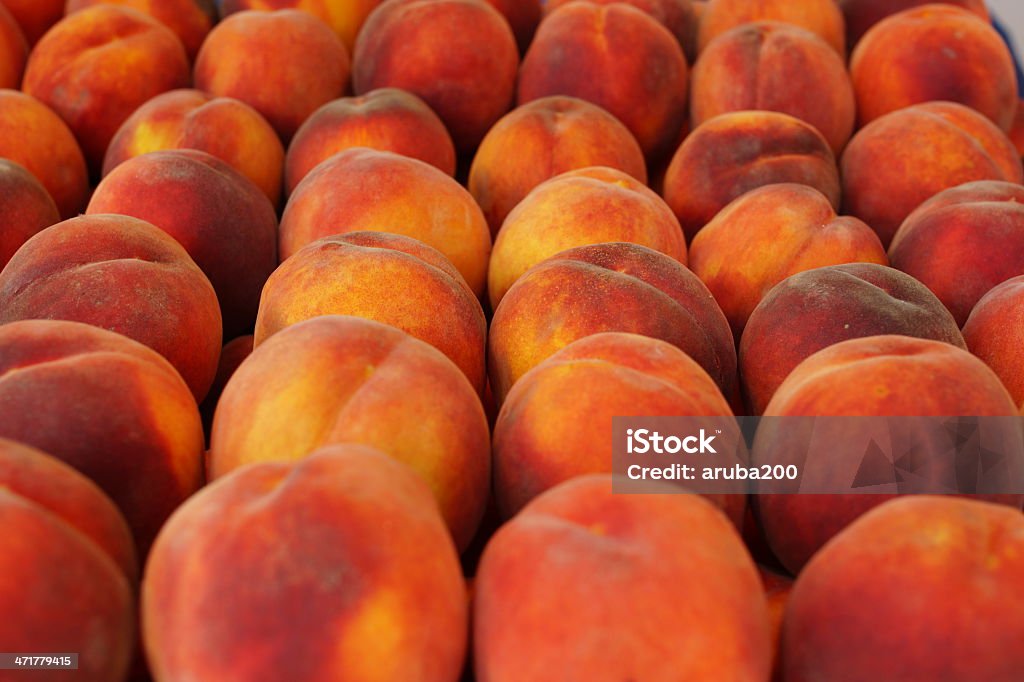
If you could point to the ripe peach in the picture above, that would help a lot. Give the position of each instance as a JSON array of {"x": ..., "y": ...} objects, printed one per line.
[
  {"x": 187, "y": 18},
  {"x": 337, "y": 379},
  {"x": 822, "y": 17},
  {"x": 95, "y": 67},
  {"x": 539, "y": 439},
  {"x": 963, "y": 242},
  {"x": 35, "y": 17},
  {"x": 385, "y": 277},
  {"x": 42, "y": 480},
  {"x": 227, "y": 128},
  {"x": 225, "y": 223},
  {"x": 34, "y": 136},
  {"x": 580, "y": 207},
  {"x": 522, "y": 16},
  {"x": 60, "y": 592},
  {"x": 541, "y": 139},
  {"x": 927, "y": 587},
  {"x": 579, "y": 556},
  {"x": 602, "y": 54},
  {"x": 410, "y": 198},
  {"x": 607, "y": 287},
  {"x": 769, "y": 234},
  {"x": 818, "y": 308},
  {"x": 26, "y": 208},
  {"x": 108, "y": 406},
  {"x": 678, "y": 16},
  {"x": 335, "y": 567},
  {"x": 388, "y": 119},
  {"x": 861, "y": 15},
  {"x": 459, "y": 56},
  {"x": 898, "y": 161},
  {"x": 345, "y": 17},
  {"x": 302, "y": 66},
  {"x": 934, "y": 52},
  {"x": 995, "y": 333},
  {"x": 883, "y": 376},
  {"x": 773, "y": 66},
  {"x": 121, "y": 274},
  {"x": 731, "y": 154},
  {"x": 13, "y": 51}
]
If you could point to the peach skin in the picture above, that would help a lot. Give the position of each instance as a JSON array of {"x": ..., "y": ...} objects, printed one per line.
[
  {"x": 586, "y": 206},
  {"x": 227, "y": 128},
  {"x": 95, "y": 67},
  {"x": 387, "y": 119},
  {"x": 339, "y": 379},
  {"x": 349, "y": 574},
  {"x": 411, "y": 198},
  {"x": 734, "y": 153},
  {"x": 607, "y": 287},
  {"x": 541, "y": 139},
  {"x": 769, "y": 234}
]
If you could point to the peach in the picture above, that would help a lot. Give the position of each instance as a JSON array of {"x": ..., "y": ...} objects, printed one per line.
[
  {"x": 540, "y": 439},
  {"x": 734, "y": 153},
  {"x": 227, "y": 128},
  {"x": 410, "y": 198},
  {"x": 26, "y": 207},
  {"x": 926, "y": 588},
  {"x": 822, "y": 17},
  {"x": 678, "y": 16},
  {"x": 387, "y": 119},
  {"x": 13, "y": 51},
  {"x": 963, "y": 242},
  {"x": 225, "y": 223},
  {"x": 458, "y": 56},
  {"x": 34, "y": 136},
  {"x": 302, "y": 65},
  {"x": 522, "y": 16},
  {"x": 602, "y": 54},
  {"x": 896, "y": 162},
  {"x": 929, "y": 53},
  {"x": 542, "y": 139},
  {"x": 861, "y": 15},
  {"x": 189, "y": 20},
  {"x": 345, "y": 17},
  {"x": 577, "y": 208},
  {"x": 232, "y": 355},
  {"x": 769, "y": 65},
  {"x": 336, "y": 379},
  {"x": 335, "y": 567},
  {"x": 875, "y": 376},
  {"x": 769, "y": 234},
  {"x": 818, "y": 308},
  {"x": 121, "y": 274},
  {"x": 35, "y": 17},
  {"x": 385, "y": 277},
  {"x": 607, "y": 287},
  {"x": 995, "y": 333},
  {"x": 108, "y": 406},
  {"x": 61, "y": 593},
  {"x": 46, "y": 481},
  {"x": 95, "y": 67},
  {"x": 587, "y": 585}
]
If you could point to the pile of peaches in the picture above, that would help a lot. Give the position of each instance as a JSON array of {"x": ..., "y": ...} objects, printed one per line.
[{"x": 315, "y": 314}]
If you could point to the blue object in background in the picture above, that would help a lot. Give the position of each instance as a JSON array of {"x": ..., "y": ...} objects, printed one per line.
[{"x": 1013, "y": 50}]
